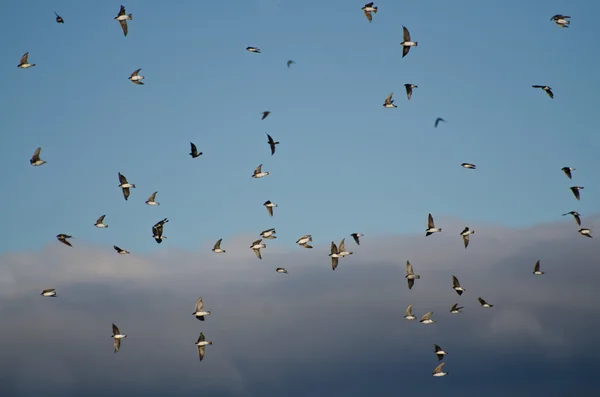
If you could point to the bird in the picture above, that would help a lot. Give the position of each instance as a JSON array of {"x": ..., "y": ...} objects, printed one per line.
[
  {"x": 431, "y": 226},
  {"x": 271, "y": 143},
  {"x": 484, "y": 303},
  {"x": 58, "y": 18},
  {"x": 253, "y": 49},
  {"x": 49, "y": 293},
  {"x": 536, "y": 269},
  {"x": 409, "y": 314},
  {"x": 561, "y": 20},
  {"x": 342, "y": 249},
  {"x": 567, "y": 171},
  {"x": 407, "y": 43},
  {"x": 35, "y": 159},
  {"x": 122, "y": 17},
  {"x": 304, "y": 240},
  {"x": 456, "y": 286},
  {"x": 151, "y": 201},
  {"x": 368, "y": 9},
  {"x": 121, "y": 251},
  {"x": 24, "y": 63},
  {"x": 290, "y": 62},
  {"x": 125, "y": 185},
  {"x": 157, "y": 231},
  {"x": 575, "y": 190},
  {"x": 545, "y": 88},
  {"x": 437, "y": 121},
  {"x": 265, "y": 114},
  {"x": 268, "y": 234},
  {"x": 135, "y": 77},
  {"x": 281, "y": 270},
  {"x": 409, "y": 90},
  {"x": 469, "y": 166},
  {"x": 439, "y": 352},
  {"x": 585, "y": 232},
  {"x": 258, "y": 172},
  {"x": 117, "y": 336},
  {"x": 217, "y": 248},
  {"x": 426, "y": 319},
  {"x": 455, "y": 309},
  {"x": 334, "y": 256},
  {"x": 201, "y": 343},
  {"x": 356, "y": 237},
  {"x": 269, "y": 206},
  {"x": 256, "y": 246},
  {"x": 199, "y": 311},
  {"x": 194, "y": 151},
  {"x": 389, "y": 102},
  {"x": 465, "y": 235},
  {"x": 63, "y": 239},
  {"x": 437, "y": 372},
  {"x": 100, "y": 223},
  {"x": 410, "y": 275},
  {"x": 576, "y": 216}
]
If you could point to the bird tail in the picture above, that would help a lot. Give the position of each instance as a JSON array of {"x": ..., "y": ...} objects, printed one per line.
[
  {"x": 375, "y": 10},
  {"x": 130, "y": 17},
  {"x": 416, "y": 43},
  {"x": 133, "y": 185},
  {"x": 417, "y": 276}
]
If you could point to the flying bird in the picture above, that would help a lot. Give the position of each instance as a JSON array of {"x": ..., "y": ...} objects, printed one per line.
[
  {"x": 157, "y": 231},
  {"x": 269, "y": 206},
  {"x": 125, "y": 186},
  {"x": 439, "y": 352},
  {"x": 63, "y": 239},
  {"x": 561, "y": 20},
  {"x": 268, "y": 234},
  {"x": 24, "y": 63},
  {"x": 409, "y": 315},
  {"x": 575, "y": 190},
  {"x": 199, "y": 311},
  {"x": 100, "y": 223},
  {"x": 409, "y": 90},
  {"x": 545, "y": 88},
  {"x": 35, "y": 159},
  {"x": 437, "y": 121},
  {"x": 368, "y": 9},
  {"x": 456, "y": 286},
  {"x": 194, "y": 151},
  {"x": 389, "y": 102},
  {"x": 258, "y": 172},
  {"x": 265, "y": 114},
  {"x": 431, "y": 226},
  {"x": 410, "y": 275},
  {"x": 290, "y": 62},
  {"x": 58, "y": 18},
  {"x": 304, "y": 240},
  {"x": 201, "y": 343},
  {"x": 281, "y": 270},
  {"x": 135, "y": 77},
  {"x": 51, "y": 292},
  {"x": 536, "y": 269},
  {"x": 342, "y": 249},
  {"x": 585, "y": 232},
  {"x": 151, "y": 201},
  {"x": 576, "y": 216},
  {"x": 117, "y": 336},
  {"x": 567, "y": 171},
  {"x": 426, "y": 319},
  {"x": 469, "y": 166},
  {"x": 484, "y": 303},
  {"x": 217, "y": 248},
  {"x": 407, "y": 43},
  {"x": 455, "y": 309},
  {"x": 271, "y": 143},
  {"x": 438, "y": 371},
  {"x": 256, "y": 246},
  {"x": 356, "y": 237},
  {"x": 465, "y": 235},
  {"x": 253, "y": 49},
  {"x": 122, "y": 17},
  {"x": 334, "y": 256},
  {"x": 120, "y": 251}
]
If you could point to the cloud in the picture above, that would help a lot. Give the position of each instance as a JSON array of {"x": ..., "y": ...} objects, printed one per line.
[{"x": 312, "y": 331}]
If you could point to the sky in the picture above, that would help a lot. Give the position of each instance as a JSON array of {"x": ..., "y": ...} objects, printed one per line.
[{"x": 344, "y": 164}]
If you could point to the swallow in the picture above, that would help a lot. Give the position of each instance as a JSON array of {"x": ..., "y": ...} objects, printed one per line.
[
  {"x": 407, "y": 43},
  {"x": 356, "y": 237},
  {"x": 58, "y": 18},
  {"x": 194, "y": 151},
  {"x": 253, "y": 49},
  {"x": 265, "y": 114},
  {"x": 437, "y": 121},
  {"x": 121, "y": 251},
  {"x": 368, "y": 9},
  {"x": 409, "y": 90},
  {"x": 575, "y": 190},
  {"x": 24, "y": 63},
  {"x": 124, "y": 185},
  {"x": 135, "y": 77},
  {"x": 35, "y": 159},
  {"x": 63, "y": 239},
  {"x": 576, "y": 215},
  {"x": 271, "y": 143},
  {"x": 567, "y": 171},
  {"x": 545, "y": 88},
  {"x": 389, "y": 102},
  {"x": 290, "y": 63},
  {"x": 122, "y": 17}
]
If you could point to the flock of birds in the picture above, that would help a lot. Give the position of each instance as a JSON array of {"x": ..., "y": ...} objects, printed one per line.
[{"x": 336, "y": 251}]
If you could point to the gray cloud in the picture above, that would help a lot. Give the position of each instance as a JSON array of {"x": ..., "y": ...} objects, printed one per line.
[{"x": 310, "y": 332}]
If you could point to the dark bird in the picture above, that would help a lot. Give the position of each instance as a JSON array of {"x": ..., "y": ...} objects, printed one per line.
[
  {"x": 157, "y": 231},
  {"x": 439, "y": 352},
  {"x": 356, "y": 237},
  {"x": 125, "y": 185},
  {"x": 407, "y": 43},
  {"x": 253, "y": 49},
  {"x": 122, "y": 17},
  {"x": 59, "y": 18},
  {"x": 271, "y": 143},
  {"x": 409, "y": 90},
  {"x": 290, "y": 63},
  {"x": 575, "y": 190},
  {"x": 536, "y": 269},
  {"x": 35, "y": 159},
  {"x": 561, "y": 20},
  {"x": 545, "y": 88},
  {"x": 567, "y": 171},
  {"x": 194, "y": 151},
  {"x": 576, "y": 215},
  {"x": 437, "y": 121},
  {"x": 585, "y": 232},
  {"x": 63, "y": 239},
  {"x": 265, "y": 114}
]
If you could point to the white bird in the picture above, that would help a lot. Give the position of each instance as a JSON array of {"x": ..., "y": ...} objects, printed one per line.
[
  {"x": 51, "y": 292},
  {"x": 437, "y": 372},
  {"x": 151, "y": 199},
  {"x": 199, "y": 311},
  {"x": 426, "y": 319},
  {"x": 258, "y": 172},
  {"x": 217, "y": 248},
  {"x": 256, "y": 246},
  {"x": 100, "y": 223},
  {"x": 409, "y": 315},
  {"x": 431, "y": 227}
]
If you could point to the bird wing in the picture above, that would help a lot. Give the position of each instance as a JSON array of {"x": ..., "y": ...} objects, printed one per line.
[
  {"x": 455, "y": 282},
  {"x": 123, "y": 24},
  {"x": 126, "y": 192},
  {"x": 258, "y": 169},
  {"x": 409, "y": 269},
  {"x": 426, "y": 316},
  {"x": 405, "y": 34},
  {"x": 550, "y": 94},
  {"x": 218, "y": 244},
  {"x": 409, "y": 310},
  {"x": 101, "y": 219},
  {"x": 201, "y": 338},
  {"x": 199, "y": 305},
  {"x": 368, "y": 15},
  {"x": 430, "y": 223},
  {"x": 411, "y": 282},
  {"x": 577, "y": 219},
  {"x": 438, "y": 369},
  {"x": 342, "y": 246},
  {"x": 36, "y": 155},
  {"x": 116, "y": 345},
  {"x": 481, "y": 301},
  {"x": 257, "y": 242},
  {"x": 265, "y": 114},
  {"x": 115, "y": 330},
  {"x": 405, "y": 50},
  {"x": 270, "y": 210},
  {"x": 201, "y": 352},
  {"x": 575, "y": 193},
  {"x": 356, "y": 238},
  {"x": 408, "y": 91},
  {"x": 567, "y": 172},
  {"x": 24, "y": 58},
  {"x": 388, "y": 100},
  {"x": 334, "y": 263},
  {"x": 122, "y": 178},
  {"x": 152, "y": 197},
  {"x": 136, "y": 72},
  {"x": 194, "y": 150},
  {"x": 121, "y": 11},
  {"x": 257, "y": 252},
  {"x": 334, "y": 249},
  {"x": 536, "y": 268},
  {"x": 466, "y": 240},
  {"x": 117, "y": 248}
]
